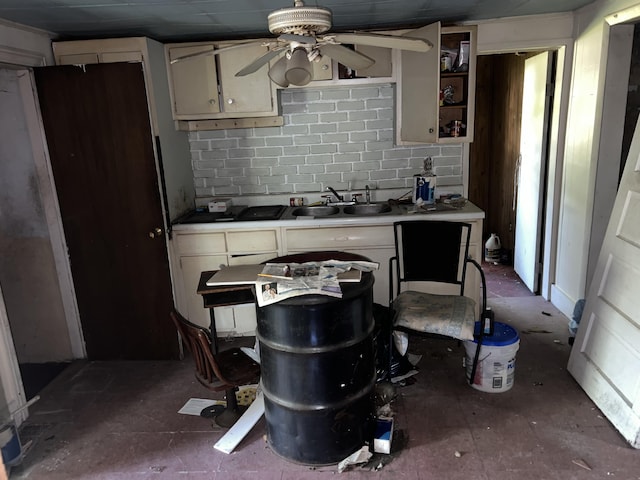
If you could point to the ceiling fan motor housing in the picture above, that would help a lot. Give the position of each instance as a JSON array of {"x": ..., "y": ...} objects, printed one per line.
[{"x": 299, "y": 20}]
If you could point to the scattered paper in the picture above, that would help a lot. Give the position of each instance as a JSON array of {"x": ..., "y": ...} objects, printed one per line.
[
  {"x": 195, "y": 405},
  {"x": 361, "y": 456}
]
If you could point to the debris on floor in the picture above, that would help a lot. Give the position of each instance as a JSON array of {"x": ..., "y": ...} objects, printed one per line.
[
  {"x": 360, "y": 456},
  {"x": 195, "y": 406},
  {"x": 383, "y": 435},
  {"x": 581, "y": 463},
  {"x": 535, "y": 330},
  {"x": 243, "y": 426}
]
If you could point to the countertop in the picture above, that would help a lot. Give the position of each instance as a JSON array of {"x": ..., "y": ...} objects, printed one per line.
[{"x": 398, "y": 213}]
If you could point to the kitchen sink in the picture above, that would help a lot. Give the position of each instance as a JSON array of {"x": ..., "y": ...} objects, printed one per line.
[
  {"x": 368, "y": 209},
  {"x": 334, "y": 212},
  {"x": 315, "y": 211}
]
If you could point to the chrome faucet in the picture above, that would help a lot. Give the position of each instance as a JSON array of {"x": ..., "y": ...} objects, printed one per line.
[
  {"x": 367, "y": 194},
  {"x": 340, "y": 198}
]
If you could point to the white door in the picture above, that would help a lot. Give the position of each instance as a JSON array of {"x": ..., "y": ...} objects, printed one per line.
[
  {"x": 605, "y": 359},
  {"x": 531, "y": 164}
]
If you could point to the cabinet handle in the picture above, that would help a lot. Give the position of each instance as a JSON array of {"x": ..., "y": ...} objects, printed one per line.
[
  {"x": 230, "y": 101},
  {"x": 431, "y": 130},
  {"x": 212, "y": 101},
  {"x": 342, "y": 239}
]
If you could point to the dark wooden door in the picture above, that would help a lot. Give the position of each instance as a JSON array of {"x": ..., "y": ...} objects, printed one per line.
[{"x": 97, "y": 126}]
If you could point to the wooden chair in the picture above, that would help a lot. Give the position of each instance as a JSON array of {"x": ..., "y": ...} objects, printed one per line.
[
  {"x": 226, "y": 370},
  {"x": 436, "y": 254}
]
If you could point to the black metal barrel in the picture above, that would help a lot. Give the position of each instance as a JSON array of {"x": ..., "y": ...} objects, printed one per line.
[{"x": 318, "y": 374}]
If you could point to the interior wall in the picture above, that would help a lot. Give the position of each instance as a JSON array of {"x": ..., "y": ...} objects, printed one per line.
[
  {"x": 575, "y": 250},
  {"x": 18, "y": 47},
  {"x": 338, "y": 136}
]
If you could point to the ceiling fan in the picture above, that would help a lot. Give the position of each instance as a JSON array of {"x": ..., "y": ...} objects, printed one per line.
[{"x": 300, "y": 38}]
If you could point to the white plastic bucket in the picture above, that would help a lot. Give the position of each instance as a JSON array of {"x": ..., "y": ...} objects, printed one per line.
[{"x": 496, "y": 368}]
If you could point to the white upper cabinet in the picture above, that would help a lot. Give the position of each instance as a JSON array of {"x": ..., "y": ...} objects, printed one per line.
[
  {"x": 437, "y": 88},
  {"x": 194, "y": 81},
  {"x": 204, "y": 85},
  {"x": 251, "y": 93}
]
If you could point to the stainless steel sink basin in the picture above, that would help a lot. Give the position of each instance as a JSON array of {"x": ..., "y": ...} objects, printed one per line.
[
  {"x": 317, "y": 211},
  {"x": 368, "y": 209}
]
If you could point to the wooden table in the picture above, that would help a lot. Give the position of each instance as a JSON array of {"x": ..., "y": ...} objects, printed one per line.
[{"x": 222, "y": 296}]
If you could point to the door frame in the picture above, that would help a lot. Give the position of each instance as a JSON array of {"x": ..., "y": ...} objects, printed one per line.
[
  {"x": 553, "y": 187},
  {"x": 21, "y": 60},
  {"x": 9, "y": 369}
]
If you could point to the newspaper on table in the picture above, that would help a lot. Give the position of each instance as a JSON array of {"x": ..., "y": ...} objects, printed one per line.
[{"x": 279, "y": 281}]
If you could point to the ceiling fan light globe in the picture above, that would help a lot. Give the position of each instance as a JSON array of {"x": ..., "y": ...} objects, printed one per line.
[
  {"x": 277, "y": 73},
  {"x": 299, "y": 71}
]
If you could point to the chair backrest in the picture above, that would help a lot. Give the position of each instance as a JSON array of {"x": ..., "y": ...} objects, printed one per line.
[
  {"x": 430, "y": 251},
  {"x": 198, "y": 342}
]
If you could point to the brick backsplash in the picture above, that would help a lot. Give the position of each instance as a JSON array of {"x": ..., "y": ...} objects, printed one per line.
[{"x": 337, "y": 136}]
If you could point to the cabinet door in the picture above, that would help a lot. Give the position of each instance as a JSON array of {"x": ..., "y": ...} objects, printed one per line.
[
  {"x": 192, "y": 267},
  {"x": 457, "y": 85},
  {"x": 419, "y": 89},
  {"x": 250, "y": 93},
  {"x": 437, "y": 99},
  {"x": 194, "y": 81}
]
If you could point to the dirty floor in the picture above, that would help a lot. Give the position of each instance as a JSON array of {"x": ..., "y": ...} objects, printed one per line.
[{"x": 119, "y": 420}]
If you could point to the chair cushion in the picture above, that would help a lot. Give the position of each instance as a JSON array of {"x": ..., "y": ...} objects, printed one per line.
[{"x": 449, "y": 315}]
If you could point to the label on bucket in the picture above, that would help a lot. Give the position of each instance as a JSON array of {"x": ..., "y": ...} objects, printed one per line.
[
  {"x": 503, "y": 377},
  {"x": 496, "y": 367}
]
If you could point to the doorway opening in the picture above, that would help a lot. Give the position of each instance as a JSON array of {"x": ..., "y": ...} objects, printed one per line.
[{"x": 495, "y": 154}]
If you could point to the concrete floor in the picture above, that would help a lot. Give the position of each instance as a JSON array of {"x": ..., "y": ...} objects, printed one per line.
[{"x": 119, "y": 420}]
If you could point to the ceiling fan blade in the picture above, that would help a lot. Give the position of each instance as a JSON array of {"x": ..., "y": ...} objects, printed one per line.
[
  {"x": 291, "y": 37},
  {"x": 386, "y": 41},
  {"x": 259, "y": 62},
  {"x": 215, "y": 51},
  {"x": 346, "y": 56}
]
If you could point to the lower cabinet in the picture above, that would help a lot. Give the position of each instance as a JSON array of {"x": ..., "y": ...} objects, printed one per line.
[{"x": 195, "y": 251}]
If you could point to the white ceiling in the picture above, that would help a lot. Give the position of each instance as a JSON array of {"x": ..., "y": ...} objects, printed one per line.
[{"x": 173, "y": 20}]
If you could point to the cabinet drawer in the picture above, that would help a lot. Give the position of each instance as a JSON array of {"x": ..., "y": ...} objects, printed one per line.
[
  {"x": 339, "y": 237},
  {"x": 252, "y": 241},
  {"x": 200, "y": 243}
]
